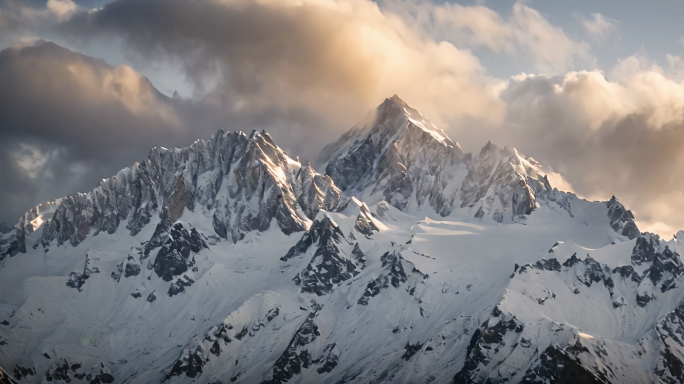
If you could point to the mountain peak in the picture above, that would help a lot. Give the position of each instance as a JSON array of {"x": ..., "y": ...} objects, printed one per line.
[{"x": 397, "y": 100}]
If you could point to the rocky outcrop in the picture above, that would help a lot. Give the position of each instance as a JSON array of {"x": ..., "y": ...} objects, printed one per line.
[
  {"x": 77, "y": 279},
  {"x": 489, "y": 346},
  {"x": 238, "y": 328},
  {"x": 670, "y": 330},
  {"x": 66, "y": 371},
  {"x": 393, "y": 274},
  {"x": 621, "y": 219},
  {"x": 296, "y": 356},
  {"x": 174, "y": 257},
  {"x": 556, "y": 365},
  {"x": 365, "y": 223},
  {"x": 333, "y": 260},
  {"x": 645, "y": 248}
]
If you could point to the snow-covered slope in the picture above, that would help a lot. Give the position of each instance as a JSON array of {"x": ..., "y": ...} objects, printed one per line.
[{"x": 410, "y": 262}]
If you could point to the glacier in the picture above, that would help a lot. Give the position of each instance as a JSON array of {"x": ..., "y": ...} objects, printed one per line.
[{"x": 407, "y": 260}]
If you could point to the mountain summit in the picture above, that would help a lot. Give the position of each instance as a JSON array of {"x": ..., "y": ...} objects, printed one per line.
[{"x": 407, "y": 260}]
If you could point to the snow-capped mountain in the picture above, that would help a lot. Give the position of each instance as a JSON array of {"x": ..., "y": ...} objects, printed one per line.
[{"x": 407, "y": 261}]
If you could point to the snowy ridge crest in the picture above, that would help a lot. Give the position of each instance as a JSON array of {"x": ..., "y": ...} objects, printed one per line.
[{"x": 242, "y": 182}]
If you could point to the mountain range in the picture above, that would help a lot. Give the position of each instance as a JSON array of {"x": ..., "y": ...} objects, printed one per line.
[{"x": 406, "y": 260}]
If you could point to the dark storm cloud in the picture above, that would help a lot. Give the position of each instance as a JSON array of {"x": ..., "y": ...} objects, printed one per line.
[
  {"x": 333, "y": 59},
  {"x": 69, "y": 120}
]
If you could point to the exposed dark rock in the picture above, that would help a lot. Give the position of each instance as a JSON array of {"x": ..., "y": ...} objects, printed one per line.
[
  {"x": 296, "y": 356},
  {"x": 180, "y": 199},
  {"x": 411, "y": 350},
  {"x": 193, "y": 359},
  {"x": 358, "y": 255},
  {"x": 670, "y": 367},
  {"x": 63, "y": 371},
  {"x": 21, "y": 372},
  {"x": 572, "y": 261},
  {"x": 151, "y": 297},
  {"x": 643, "y": 299},
  {"x": 595, "y": 273},
  {"x": 322, "y": 232},
  {"x": 394, "y": 274},
  {"x": 548, "y": 265},
  {"x": 180, "y": 284},
  {"x": 645, "y": 248},
  {"x": 132, "y": 270},
  {"x": 558, "y": 366},
  {"x": 624, "y": 271},
  {"x": 666, "y": 267},
  {"x": 329, "y": 266},
  {"x": 173, "y": 258},
  {"x": 486, "y": 342},
  {"x": 190, "y": 364},
  {"x": 621, "y": 219},
  {"x": 117, "y": 275},
  {"x": 76, "y": 279},
  {"x": 329, "y": 359}
]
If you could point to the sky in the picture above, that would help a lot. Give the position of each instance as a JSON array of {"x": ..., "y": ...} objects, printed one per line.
[{"x": 592, "y": 90}]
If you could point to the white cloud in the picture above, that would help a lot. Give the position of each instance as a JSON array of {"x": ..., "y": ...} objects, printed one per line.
[
  {"x": 526, "y": 31},
  {"x": 675, "y": 67},
  {"x": 617, "y": 134},
  {"x": 599, "y": 27},
  {"x": 334, "y": 59},
  {"x": 62, "y": 9}
]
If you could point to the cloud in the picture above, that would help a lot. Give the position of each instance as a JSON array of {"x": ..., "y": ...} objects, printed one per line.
[
  {"x": 332, "y": 59},
  {"x": 70, "y": 120},
  {"x": 62, "y": 9},
  {"x": 23, "y": 21},
  {"x": 607, "y": 135},
  {"x": 525, "y": 31},
  {"x": 599, "y": 27},
  {"x": 675, "y": 67},
  {"x": 21, "y": 16}
]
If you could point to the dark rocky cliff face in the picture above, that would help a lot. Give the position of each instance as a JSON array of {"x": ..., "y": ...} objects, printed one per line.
[{"x": 621, "y": 219}]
